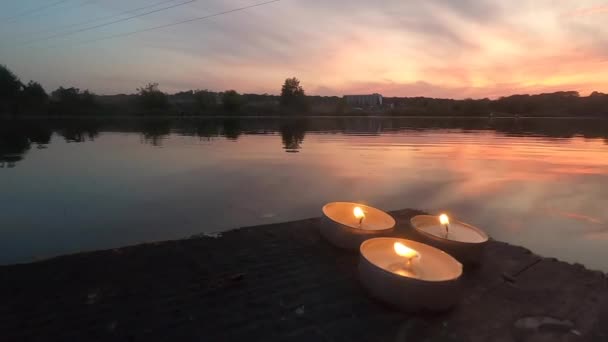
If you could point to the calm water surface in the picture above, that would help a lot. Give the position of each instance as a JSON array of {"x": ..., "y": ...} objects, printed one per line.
[{"x": 69, "y": 186}]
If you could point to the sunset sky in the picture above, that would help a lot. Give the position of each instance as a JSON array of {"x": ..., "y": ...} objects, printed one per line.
[{"x": 437, "y": 48}]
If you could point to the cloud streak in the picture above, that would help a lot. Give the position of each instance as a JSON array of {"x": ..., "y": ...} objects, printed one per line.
[{"x": 440, "y": 48}]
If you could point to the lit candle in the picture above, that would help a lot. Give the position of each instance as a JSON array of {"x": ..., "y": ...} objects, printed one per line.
[
  {"x": 411, "y": 257},
  {"x": 359, "y": 214},
  {"x": 463, "y": 241},
  {"x": 408, "y": 253},
  {"x": 347, "y": 224},
  {"x": 445, "y": 220},
  {"x": 408, "y": 274}
]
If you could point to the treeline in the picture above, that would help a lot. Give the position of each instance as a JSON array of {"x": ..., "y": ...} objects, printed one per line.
[
  {"x": 558, "y": 104},
  {"x": 20, "y": 99}
]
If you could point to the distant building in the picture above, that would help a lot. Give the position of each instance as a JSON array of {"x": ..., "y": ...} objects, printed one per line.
[{"x": 372, "y": 100}]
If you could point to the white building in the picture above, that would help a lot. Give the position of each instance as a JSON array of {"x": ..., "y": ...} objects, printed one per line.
[{"x": 371, "y": 100}]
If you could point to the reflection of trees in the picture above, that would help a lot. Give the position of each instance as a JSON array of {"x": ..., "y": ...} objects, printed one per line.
[
  {"x": 232, "y": 128},
  {"x": 205, "y": 128},
  {"x": 154, "y": 131},
  {"x": 16, "y": 138},
  {"x": 13, "y": 144},
  {"x": 79, "y": 130},
  {"x": 558, "y": 128},
  {"x": 292, "y": 134},
  {"x": 555, "y": 128},
  {"x": 39, "y": 134}
]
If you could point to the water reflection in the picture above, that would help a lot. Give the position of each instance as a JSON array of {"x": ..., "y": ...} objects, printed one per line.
[
  {"x": 231, "y": 128},
  {"x": 16, "y": 139},
  {"x": 78, "y": 131},
  {"x": 538, "y": 183},
  {"x": 292, "y": 134},
  {"x": 16, "y": 136},
  {"x": 154, "y": 131}
]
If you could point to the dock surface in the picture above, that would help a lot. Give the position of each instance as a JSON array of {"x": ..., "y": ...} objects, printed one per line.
[{"x": 282, "y": 282}]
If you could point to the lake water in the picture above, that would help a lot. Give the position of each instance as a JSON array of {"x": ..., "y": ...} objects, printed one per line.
[{"x": 77, "y": 185}]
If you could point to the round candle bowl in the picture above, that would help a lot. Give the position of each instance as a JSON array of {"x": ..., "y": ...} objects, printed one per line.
[
  {"x": 432, "y": 285},
  {"x": 466, "y": 243},
  {"x": 340, "y": 227}
]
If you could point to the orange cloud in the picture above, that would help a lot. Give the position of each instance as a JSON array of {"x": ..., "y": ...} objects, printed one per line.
[{"x": 433, "y": 48}]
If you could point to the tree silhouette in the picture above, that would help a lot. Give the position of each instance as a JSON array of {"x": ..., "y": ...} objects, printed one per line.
[
  {"x": 33, "y": 96},
  {"x": 71, "y": 100},
  {"x": 10, "y": 87},
  {"x": 293, "y": 96},
  {"x": 150, "y": 97},
  {"x": 231, "y": 100},
  {"x": 205, "y": 99}
]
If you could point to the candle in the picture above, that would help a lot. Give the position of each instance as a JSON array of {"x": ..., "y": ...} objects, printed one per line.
[
  {"x": 463, "y": 241},
  {"x": 347, "y": 224},
  {"x": 409, "y": 264},
  {"x": 445, "y": 220},
  {"x": 359, "y": 214},
  {"x": 406, "y": 252},
  {"x": 408, "y": 274}
]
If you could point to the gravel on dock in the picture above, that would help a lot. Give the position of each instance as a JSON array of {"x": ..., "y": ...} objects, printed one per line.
[{"x": 282, "y": 282}]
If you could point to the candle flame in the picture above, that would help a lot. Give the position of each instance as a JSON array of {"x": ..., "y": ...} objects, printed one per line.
[
  {"x": 404, "y": 251},
  {"x": 358, "y": 212},
  {"x": 444, "y": 219}
]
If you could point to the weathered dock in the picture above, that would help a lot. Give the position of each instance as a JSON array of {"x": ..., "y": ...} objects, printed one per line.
[{"x": 281, "y": 282}]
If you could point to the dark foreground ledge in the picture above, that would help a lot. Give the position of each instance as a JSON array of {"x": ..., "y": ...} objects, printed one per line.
[{"x": 282, "y": 282}]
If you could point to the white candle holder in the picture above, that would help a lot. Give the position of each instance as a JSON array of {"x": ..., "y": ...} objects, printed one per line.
[
  {"x": 463, "y": 241},
  {"x": 431, "y": 283},
  {"x": 343, "y": 225}
]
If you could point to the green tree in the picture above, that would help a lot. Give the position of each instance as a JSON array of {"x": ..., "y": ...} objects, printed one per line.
[
  {"x": 151, "y": 97},
  {"x": 231, "y": 100},
  {"x": 293, "y": 95}
]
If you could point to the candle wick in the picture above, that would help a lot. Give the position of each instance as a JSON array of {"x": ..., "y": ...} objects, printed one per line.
[
  {"x": 361, "y": 220},
  {"x": 447, "y": 229},
  {"x": 409, "y": 265}
]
